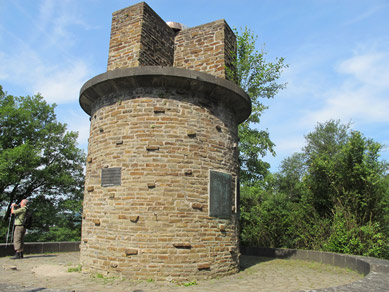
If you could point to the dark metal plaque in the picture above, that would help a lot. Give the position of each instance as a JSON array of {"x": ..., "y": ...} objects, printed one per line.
[
  {"x": 220, "y": 193},
  {"x": 111, "y": 176}
]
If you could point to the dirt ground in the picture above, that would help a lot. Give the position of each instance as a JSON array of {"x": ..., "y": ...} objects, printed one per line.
[{"x": 62, "y": 272}]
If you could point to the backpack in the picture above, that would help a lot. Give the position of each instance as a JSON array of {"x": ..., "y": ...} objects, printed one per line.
[{"x": 27, "y": 221}]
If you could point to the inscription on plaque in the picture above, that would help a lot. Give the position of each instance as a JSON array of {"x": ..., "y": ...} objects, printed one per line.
[
  {"x": 111, "y": 176},
  {"x": 220, "y": 192}
]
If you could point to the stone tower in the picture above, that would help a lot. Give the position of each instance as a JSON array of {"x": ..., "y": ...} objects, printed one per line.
[{"x": 161, "y": 189}]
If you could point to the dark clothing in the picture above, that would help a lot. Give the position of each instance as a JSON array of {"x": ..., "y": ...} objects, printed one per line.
[
  {"x": 19, "y": 233},
  {"x": 20, "y": 230}
]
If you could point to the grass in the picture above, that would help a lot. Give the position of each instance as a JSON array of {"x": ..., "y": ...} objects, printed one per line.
[
  {"x": 105, "y": 279},
  {"x": 188, "y": 284},
  {"x": 75, "y": 269}
]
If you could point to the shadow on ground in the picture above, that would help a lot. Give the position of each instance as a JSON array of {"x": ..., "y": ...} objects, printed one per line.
[{"x": 249, "y": 261}]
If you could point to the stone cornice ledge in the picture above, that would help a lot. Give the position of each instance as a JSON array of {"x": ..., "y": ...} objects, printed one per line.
[
  {"x": 376, "y": 271},
  {"x": 121, "y": 80}
]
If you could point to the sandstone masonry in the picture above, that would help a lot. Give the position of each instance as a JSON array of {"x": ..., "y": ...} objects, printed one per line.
[
  {"x": 139, "y": 37},
  {"x": 163, "y": 122}
]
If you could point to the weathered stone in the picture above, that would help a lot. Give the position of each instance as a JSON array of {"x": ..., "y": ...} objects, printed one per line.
[
  {"x": 151, "y": 185},
  {"x": 205, "y": 266},
  {"x": 10, "y": 267},
  {"x": 159, "y": 110},
  {"x": 188, "y": 172},
  {"x": 197, "y": 206},
  {"x": 191, "y": 133},
  {"x": 185, "y": 245},
  {"x": 130, "y": 252},
  {"x": 152, "y": 148},
  {"x": 157, "y": 124}
]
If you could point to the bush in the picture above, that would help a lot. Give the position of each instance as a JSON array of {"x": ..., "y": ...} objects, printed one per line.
[{"x": 350, "y": 238}]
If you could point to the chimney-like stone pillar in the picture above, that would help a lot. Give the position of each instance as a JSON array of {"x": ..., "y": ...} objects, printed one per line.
[{"x": 161, "y": 177}]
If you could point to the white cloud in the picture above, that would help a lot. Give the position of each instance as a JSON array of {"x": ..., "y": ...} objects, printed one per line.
[
  {"x": 40, "y": 59},
  {"x": 290, "y": 144},
  {"x": 371, "y": 69},
  {"x": 57, "y": 83},
  {"x": 61, "y": 86},
  {"x": 363, "y": 93},
  {"x": 366, "y": 14},
  {"x": 355, "y": 89},
  {"x": 78, "y": 121}
]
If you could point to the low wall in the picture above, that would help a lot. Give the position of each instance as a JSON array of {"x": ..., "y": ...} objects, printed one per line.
[
  {"x": 376, "y": 271},
  {"x": 41, "y": 247}
]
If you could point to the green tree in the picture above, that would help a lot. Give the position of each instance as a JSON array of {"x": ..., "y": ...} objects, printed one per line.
[
  {"x": 344, "y": 169},
  {"x": 57, "y": 219},
  {"x": 321, "y": 154},
  {"x": 289, "y": 180},
  {"x": 258, "y": 77},
  {"x": 38, "y": 156},
  {"x": 343, "y": 183}
]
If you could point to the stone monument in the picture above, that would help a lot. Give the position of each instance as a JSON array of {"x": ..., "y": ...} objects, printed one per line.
[{"x": 161, "y": 188}]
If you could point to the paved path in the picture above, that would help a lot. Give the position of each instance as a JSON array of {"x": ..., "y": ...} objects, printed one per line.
[{"x": 49, "y": 273}]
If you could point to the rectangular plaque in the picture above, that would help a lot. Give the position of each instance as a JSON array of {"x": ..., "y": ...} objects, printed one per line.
[
  {"x": 111, "y": 176},
  {"x": 220, "y": 194}
]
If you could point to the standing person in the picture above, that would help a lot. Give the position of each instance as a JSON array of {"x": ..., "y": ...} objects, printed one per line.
[{"x": 20, "y": 230}]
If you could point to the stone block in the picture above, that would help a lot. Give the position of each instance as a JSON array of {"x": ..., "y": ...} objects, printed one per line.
[
  {"x": 130, "y": 252},
  {"x": 152, "y": 148},
  {"x": 197, "y": 206},
  {"x": 188, "y": 172},
  {"x": 222, "y": 227},
  {"x": 205, "y": 266},
  {"x": 182, "y": 245},
  {"x": 151, "y": 185},
  {"x": 191, "y": 133},
  {"x": 159, "y": 110}
]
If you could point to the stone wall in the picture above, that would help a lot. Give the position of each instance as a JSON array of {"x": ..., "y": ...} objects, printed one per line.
[
  {"x": 41, "y": 247},
  {"x": 206, "y": 48},
  {"x": 139, "y": 37},
  {"x": 156, "y": 222},
  {"x": 376, "y": 271},
  {"x": 161, "y": 177}
]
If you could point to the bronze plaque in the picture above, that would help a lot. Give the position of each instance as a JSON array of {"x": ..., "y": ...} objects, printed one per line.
[
  {"x": 111, "y": 176},
  {"x": 220, "y": 192}
]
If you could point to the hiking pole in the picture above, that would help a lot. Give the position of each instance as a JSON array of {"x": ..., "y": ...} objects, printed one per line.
[
  {"x": 13, "y": 228},
  {"x": 9, "y": 225}
]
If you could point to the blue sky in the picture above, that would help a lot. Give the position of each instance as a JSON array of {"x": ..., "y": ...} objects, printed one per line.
[{"x": 337, "y": 51}]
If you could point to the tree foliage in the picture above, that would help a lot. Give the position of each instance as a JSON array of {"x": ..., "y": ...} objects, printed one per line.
[
  {"x": 38, "y": 157},
  {"x": 333, "y": 195},
  {"x": 258, "y": 77}
]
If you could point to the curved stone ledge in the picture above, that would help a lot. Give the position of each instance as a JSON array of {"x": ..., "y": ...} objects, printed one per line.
[
  {"x": 122, "y": 80},
  {"x": 376, "y": 271},
  {"x": 41, "y": 247}
]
